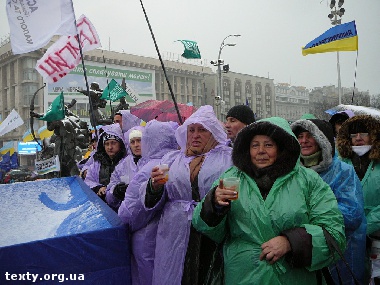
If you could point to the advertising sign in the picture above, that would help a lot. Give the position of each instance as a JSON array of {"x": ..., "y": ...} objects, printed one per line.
[
  {"x": 28, "y": 148},
  {"x": 140, "y": 82}
]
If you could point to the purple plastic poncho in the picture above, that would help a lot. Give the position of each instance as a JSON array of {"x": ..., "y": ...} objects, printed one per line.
[
  {"x": 157, "y": 140},
  {"x": 176, "y": 205},
  {"x": 128, "y": 120},
  {"x": 92, "y": 176},
  {"x": 124, "y": 171}
]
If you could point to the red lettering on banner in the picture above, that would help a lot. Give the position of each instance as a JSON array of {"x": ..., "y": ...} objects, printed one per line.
[
  {"x": 73, "y": 50},
  {"x": 64, "y": 55},
  {"x": 90, "y": 37}
]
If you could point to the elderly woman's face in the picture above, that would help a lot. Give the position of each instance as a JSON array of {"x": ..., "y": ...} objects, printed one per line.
[
  {"x": 263, "y": 151},
  {"x": 197, "y": 137}
]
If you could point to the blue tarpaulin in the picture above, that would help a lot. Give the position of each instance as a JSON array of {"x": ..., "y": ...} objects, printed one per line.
[{"x": 59, "y": 226}]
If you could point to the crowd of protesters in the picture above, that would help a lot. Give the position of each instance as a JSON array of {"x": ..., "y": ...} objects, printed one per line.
[{"x": 305, "y": 193}]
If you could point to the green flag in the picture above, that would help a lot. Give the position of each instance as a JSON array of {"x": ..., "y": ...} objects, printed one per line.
[
  {"x": 114, "y": 92},
  {"x": 191, "y": 49},
  {"x": 56, "y": 110}
]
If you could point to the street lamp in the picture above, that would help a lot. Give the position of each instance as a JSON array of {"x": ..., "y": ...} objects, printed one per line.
[
  {"x": 219, "y": 63},
  {"x": 336, "y": 19}
]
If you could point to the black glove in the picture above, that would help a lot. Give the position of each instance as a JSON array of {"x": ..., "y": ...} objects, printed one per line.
[{"x": 119, "y": 191}]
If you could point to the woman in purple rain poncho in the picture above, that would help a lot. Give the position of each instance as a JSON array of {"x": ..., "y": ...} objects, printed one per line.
[
  {"x": 126, "y": 169},
  {"x": 110, "y": 150},
  {"x": 157, "y": 140},
  {"x": 182, "y": 254},
  {"x": 126, "y": 120}
]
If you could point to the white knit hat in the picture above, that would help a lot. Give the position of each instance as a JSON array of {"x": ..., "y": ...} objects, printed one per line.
[{"x": 135, "y": 134}]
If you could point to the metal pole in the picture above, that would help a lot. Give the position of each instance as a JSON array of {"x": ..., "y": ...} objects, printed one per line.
[
  {"x": 339, "y": 82},
  {"x": 337, "y": 62}
]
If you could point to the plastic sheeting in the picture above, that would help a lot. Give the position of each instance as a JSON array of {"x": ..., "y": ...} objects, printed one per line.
[{"x": 59, "y": 226}]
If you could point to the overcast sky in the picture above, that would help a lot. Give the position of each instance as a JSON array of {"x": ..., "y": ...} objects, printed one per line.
[{"x": 272, "y": 34}]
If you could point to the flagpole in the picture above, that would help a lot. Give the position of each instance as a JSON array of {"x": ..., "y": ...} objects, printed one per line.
[
  {"x": 31, "y": 107},
  {"x": 356, "y": 68},
  {"x": 162, "y": 65},
  {"x": 105, "y": 69},
  {"x": 92, "y": 116}
]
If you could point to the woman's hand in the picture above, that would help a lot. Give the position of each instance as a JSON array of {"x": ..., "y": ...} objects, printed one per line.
[
  {"x": 224, "y": 196},
  {"x": 274, "y": 249},
  {"x": 157, "y": 177}
]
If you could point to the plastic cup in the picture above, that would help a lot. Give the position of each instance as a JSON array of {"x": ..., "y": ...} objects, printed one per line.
[
  {"x": 232, "y": 183},
  {"x": 165, "y": 169}
]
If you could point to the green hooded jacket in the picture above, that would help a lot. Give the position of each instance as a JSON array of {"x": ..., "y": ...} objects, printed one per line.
[{"x": 299, "y": 198}]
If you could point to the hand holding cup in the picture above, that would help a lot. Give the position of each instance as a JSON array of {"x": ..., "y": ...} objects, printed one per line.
[
  {"x": 227, "y": 190},
  {"x": 159, "y": 175}
]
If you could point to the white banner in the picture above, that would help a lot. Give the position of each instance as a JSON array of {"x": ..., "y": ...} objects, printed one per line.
[
  {"x": 33, "y": 23},
  {"x": 132, "y": 93},
  {"x": 11, "y": 122},
  {"x": 48, "y": 165},
  {"x": 64, "y": 55}
]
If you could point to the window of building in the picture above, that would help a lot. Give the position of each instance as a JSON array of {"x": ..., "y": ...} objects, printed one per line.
[{"x": 28, "y": 91}]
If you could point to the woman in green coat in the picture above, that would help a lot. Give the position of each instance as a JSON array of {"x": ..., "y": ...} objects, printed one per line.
[{"x": 273, "y": 231}]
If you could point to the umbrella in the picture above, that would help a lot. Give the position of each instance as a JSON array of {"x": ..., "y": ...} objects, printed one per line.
[
  {"x": 161, "y": 111},
  {"x": 358, "y": 110}
]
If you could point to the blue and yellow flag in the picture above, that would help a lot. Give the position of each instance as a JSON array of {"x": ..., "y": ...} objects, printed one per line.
[
  {"x": 339, "y": 38},
  {"x": 27, "y": 136},
  {"x": 43, "y": 133},
  {"x": 8, "y": 147}
]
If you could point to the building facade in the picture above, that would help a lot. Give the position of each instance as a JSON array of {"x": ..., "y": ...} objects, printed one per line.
[
  {"x": 244, "y": 89},
  {"x": 191, "y": 83},
  {"x": 291, "y": 101}
]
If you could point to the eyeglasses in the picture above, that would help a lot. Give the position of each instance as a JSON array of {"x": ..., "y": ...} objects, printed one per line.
[{"x": 360, "y": 134}]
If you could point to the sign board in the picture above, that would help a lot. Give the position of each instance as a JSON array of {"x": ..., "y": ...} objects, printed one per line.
[
  {"x": 48, "y": 165},
  {"x": 140, "y": 85},
  {"x": 28, "y": 148}
]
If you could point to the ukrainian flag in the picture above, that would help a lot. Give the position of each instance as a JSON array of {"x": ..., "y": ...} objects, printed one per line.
[
  {"x": 8, "y": 147},
  {"x": 342, "y": 37},
  {"x": 43, "y": 133},
  {"x": 27, "y": 136}
]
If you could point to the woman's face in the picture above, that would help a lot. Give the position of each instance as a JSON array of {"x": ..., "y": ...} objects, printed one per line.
[
  {"x": 308, "y": 144},
  {"x": 197, "y": 137},
  {"x": 263, "y": 151}
]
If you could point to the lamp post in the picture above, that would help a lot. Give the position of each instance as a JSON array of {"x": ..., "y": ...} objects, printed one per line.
[
  {"x": 219, "y": 63},
  {"x": 335, "y": 13}
]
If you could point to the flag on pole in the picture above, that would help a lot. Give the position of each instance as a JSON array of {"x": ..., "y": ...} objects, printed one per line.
[
  {"x": 114, "y": 92},
  {"x": 12, "y": 121},
  {"x": 27, "y": 136},
  {"x": 342, "y": 37},
  {"x": 14, "y": 160},
  {"x": 5, "y": 162},
  {"x": 43, "y": 133},
  {"x": 191, "y": 49},
  {"x": 64, "y": 55},
  {"x": 56, "y": 110},
  {"x": 8, "y": 147},
  {"x": 33, "y": 23}
]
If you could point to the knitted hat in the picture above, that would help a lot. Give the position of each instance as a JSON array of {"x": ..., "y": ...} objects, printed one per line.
[
  {"x": 107, "y": 137},
  {"x": 135, "y": 134},
  {"x": 242, "y": 113}
]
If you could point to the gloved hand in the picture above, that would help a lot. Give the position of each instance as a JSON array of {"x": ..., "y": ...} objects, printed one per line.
[{"x": 119, "y": 191}]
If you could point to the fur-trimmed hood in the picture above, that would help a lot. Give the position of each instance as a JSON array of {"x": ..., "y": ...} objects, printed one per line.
[
  {"x": 343, "y": 139},
  {"x": 323, "y": 133},
  {"x": 279, "y": 130}
]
